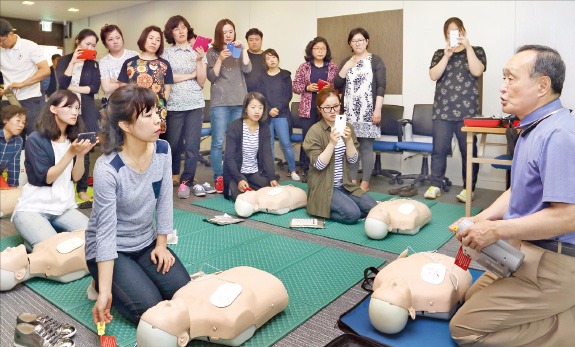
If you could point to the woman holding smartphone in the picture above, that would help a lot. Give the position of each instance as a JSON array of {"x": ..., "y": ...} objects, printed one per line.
[
  {"x": 228, "y": 89},
  {"x": 82, "y": 77},
  {"x": 364, "y": 79},
  {"x": 54, "y": 159},
  {"x": 457, "y": 70},
  {"x": 332, "y": 193},
  {"x": 317, "y": 66},
  {"x": 111, "y": 64}
]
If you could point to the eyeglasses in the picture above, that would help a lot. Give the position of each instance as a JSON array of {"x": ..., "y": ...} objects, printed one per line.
[
  {"x": 330, "y": 108},
  {"x": 357, "y": 41},
  {"x": 319, "y": 49}
]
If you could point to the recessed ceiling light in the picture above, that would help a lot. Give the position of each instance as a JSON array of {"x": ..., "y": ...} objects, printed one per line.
[
  {"x": 72, "y": 9},
  {"x": 27, "y": 2}
]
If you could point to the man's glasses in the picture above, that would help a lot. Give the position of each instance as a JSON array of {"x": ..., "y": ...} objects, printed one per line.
[{"x": 327, "y": 109}]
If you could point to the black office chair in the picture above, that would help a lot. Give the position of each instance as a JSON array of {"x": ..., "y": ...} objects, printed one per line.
[
  {"x": 205, "y": 134},
  {"x": 421, "y": 125},
  {"x": 390, "y": 125}
]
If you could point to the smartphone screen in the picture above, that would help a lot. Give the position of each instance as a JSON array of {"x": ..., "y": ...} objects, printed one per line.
[
  {"x": 320, "y": 84},
  {"x": 340, "y": 123},
  {"x": 454, "y": 38},
  {"x": 87, "y": 136}
]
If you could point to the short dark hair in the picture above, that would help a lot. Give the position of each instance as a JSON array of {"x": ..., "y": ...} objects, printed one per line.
[
  {"x": 457, "y": 22},
  {"x": 548, "y": 63},
  {"x": 254, "y": 96},
  {"x": 218, "y": 43},
  {"x": 55, "y": 56},
  {"x": 11, "y": 111},
  {"x": 325, "y": 93},
  {"x": 46, "y": 122},
  {"x": 356, "y": 31},
  {"x": 82, "y": 35},
  {"x": 309, "y": 49},
  {"x": 5, "y": 27},
  {"x": 272, "y": 52},
  {"x": 125, "y": 104},
  {"x": 144, "y": 37},
  {"x": 106, "y": 30},
  {"x": 254, "y": 31},
  {"x": 173, "y": 23}
]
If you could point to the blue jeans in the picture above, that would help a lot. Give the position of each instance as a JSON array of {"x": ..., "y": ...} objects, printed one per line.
[
  {"x": 347, "y": 209},
  {"x": 281, "y": 127},
  {"x": 443, "y": 131},
  {"x": 36, "y": 227},
  {"x": 137, "y": 286},
  {"x": 220, "y": 117},
  {"x": 183, "y": 133}
]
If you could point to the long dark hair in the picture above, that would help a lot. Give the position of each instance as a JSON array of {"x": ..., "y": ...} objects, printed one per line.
[
  {"x": 46, "y": 122},
  {"x": 218, "y": 43},
  {"x": 125, "y": 104}
]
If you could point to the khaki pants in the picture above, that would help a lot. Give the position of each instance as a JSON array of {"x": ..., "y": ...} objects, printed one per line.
[{"x": 534, "y": 307}]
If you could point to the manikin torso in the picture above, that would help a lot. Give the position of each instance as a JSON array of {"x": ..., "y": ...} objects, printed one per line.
[
  {"x": 276, "y": 200},
  {"x": 402, "y": 216}
]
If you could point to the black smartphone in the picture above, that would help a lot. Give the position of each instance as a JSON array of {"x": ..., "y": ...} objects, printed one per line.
[{"x": 87, "y": 136}]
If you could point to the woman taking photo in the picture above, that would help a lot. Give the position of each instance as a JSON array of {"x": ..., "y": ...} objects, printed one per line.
[
  {"x": 248, "y": 162},
  {"x": 317, "y": 66},
  {"x": 332, "y": 193},
  {"x": 275, "y": 85},
  {"x": 186, "y": 104},
  {"x": 111, "y": 64},
  {"x": 54, "y": 159},
  {"x": 228, "y": 89},
  {"x": 126, "y": 238},
  {"x": 82, "y": 77},
  {"x": 456, "y": 96},
  {"x": 148, "y": 70},
  {"x": 363, "y": 77}
]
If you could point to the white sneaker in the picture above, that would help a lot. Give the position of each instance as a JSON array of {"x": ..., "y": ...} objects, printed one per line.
[
  {"x": 208, "y": 188},
  {"x": 295, "y": 176},
  {"x": 198, "y": 190},
  {"x": 463, "y": 196},
  {"x": 432, "y": 192}
]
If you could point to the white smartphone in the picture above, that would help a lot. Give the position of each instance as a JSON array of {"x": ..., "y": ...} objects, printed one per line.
[
  {"x": 339, "y": 124},
  {"x": 454, "y": 38}
]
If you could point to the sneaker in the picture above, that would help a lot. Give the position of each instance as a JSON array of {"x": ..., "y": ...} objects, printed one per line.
[
  {"x": 208, "y": 188},
  {"x": 184, "y": 190},
  {"x": 219, "y": 184},
  {"x": 28, "y": 335},
  {"x": 198, "y": 190},
  {"x": 62, "y": 329},
  {"x": 432, "y": 192},
  {"x": 295, "y": 176},
  {"x": 462, "y": 197},
  {"x": 409, "y": 192}
]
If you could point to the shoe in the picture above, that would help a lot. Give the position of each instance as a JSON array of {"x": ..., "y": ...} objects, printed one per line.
[
  {"x": 395, "y": 191},
  {"x": 28, "y": 335},
  {"x": 85, "y": 205},
  {"x": 304, "y": 177},
  {"x": 462, "y": 197},
  {"x": 219, "y": 185},
  {"x": 208, "y": 188},
  {"x": 432, "y": 192},
  {"x": 184, "y": 190},
  {"x": 295, "y": 176},
  {"x": 63, "y": 329},
  {"x": 198, "y": 190},
  {"x": 409, "y": 192}
]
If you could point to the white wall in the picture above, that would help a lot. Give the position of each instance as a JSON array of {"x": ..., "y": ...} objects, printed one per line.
[{"x": 499, "y": 27}]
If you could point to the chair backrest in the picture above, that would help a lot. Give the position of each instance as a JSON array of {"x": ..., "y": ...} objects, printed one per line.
[
  {"x": 295, "y": 118},
  {"x": 422, "y": 122},
  {"x": 390, "y": 125}
]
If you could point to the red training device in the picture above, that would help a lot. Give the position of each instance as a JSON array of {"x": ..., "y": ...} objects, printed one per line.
[
  {"x": 87, "y": 54},
  {"x": 108, "y": 341},
  {"x": 320, "y": 84}
]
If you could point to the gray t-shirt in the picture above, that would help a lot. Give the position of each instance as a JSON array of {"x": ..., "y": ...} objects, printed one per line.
[
  {"x": 457, "y": 90},
  {"x": 126, "y": 202},
  {"x": 229, "y": 87}
]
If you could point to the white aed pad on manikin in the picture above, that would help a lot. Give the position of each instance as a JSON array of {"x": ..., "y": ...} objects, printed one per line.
[
  {"x": 225, "y": 295},
  {"x": 69, "y": 245}
]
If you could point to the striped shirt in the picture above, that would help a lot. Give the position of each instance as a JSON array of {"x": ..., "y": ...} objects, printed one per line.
[
  {"x": 338, "y": 163},
  {"x": 10, "y": 158},
  {"x": 250, "y": 145}
]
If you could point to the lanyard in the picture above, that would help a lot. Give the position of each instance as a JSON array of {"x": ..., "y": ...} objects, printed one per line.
[{"x": 533, "y": 125}]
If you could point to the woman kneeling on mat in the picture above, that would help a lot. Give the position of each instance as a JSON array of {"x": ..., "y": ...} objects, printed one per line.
[
  {"x": 248, "y": 160},
  {"x": 126, "y": 250},
  {"x": 331, "y": 192}
]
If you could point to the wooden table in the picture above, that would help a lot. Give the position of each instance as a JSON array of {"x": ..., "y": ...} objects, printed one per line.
[{"x": 480, "y": 159}]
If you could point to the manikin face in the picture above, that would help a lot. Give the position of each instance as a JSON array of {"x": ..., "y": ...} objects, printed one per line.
[
  {"x": 319, "y": 51},
  {"x": 359, "y": 44},
  {"x": 519, "y": 91},
  {"x": 254, "y": 43},
  {"x": 15, "y": 125},
  {"x": 180, "y": 33},
  {"x": 229, "y": 33},
  {"x": 146, "y": 127},
  {"x": 255, "y": 110},
  {"x": 114, "y": 42},
  {"x": 153, "y": 42},
  {"x": 329, "y": 109},
  {"x": 66, "y": 115},
  {"x": 272, "y": 61},
  {"x": 89, "y": 42}
]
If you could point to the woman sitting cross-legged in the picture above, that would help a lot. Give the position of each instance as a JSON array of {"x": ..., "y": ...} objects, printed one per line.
[
  {"x": 331, "y": 192},
  {"x": 248, "y": 160}
]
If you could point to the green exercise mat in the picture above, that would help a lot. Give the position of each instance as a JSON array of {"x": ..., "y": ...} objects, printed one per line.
[{"x": 314, "y": 275}]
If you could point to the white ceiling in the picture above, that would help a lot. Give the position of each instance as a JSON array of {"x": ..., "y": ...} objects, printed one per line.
[{"x": 57, "y": 11}]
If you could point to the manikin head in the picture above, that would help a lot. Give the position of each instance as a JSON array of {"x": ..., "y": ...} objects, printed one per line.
[
  {"x": 166, "y": 324},
  {"x": 13, "y": 267},
  {"x": 390, "y": 306}
]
